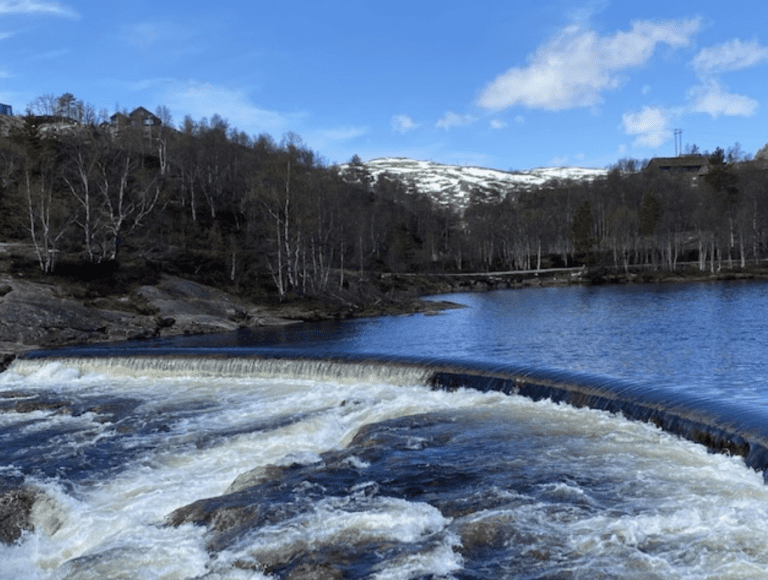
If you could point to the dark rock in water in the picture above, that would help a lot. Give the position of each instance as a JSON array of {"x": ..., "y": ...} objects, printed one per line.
[
  {"x": 16, "y": 512},
  {"x": 25, "y": 404},
  {"x": 256, "y": 476},
  {"x": 313, "y": 571},
  {"x": 217, "y": 515},
  {"x": 26, "y": 509},
  {"x": 6, "y": 358}
]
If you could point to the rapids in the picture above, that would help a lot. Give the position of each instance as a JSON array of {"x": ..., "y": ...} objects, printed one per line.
[
  {"x": 212, "y": 467},
  {"x": 570, "y": 433}
]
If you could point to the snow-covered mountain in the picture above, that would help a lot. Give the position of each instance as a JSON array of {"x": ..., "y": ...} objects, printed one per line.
[{"x": 451, "y": 185}]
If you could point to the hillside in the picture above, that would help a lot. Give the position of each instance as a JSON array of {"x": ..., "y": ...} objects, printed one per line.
[
  {"x": 451, "y": 185},
  {"x": 7, "y": 122}
]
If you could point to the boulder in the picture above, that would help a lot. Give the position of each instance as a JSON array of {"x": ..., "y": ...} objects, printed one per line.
[{"x": 16, "y": 505}]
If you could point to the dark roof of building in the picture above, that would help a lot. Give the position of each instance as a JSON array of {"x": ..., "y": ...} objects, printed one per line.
[
  {"x": 137, "y": 113},
  {"x": 682, "y": 161},
  {"x": 141, "y": 112}
]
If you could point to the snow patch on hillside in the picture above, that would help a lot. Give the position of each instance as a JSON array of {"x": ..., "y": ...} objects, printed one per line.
[{"x": 452, "y": 185}]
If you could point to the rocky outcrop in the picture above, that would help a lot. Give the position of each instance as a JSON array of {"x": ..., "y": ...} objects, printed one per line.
[
  {"x": 195, "y": 308},
  {"x": 35, "y": 315}
]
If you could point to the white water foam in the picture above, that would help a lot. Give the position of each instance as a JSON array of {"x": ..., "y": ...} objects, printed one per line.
[{"x": 677, "y": 511}]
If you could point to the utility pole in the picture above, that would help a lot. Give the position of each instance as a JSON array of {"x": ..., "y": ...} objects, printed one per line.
[{"x": 678, "y": 142}]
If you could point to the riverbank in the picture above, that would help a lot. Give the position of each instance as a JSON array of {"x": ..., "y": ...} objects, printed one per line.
[
  {"x": 590, "y": 276},
  {"x": 36, "y": 315}
]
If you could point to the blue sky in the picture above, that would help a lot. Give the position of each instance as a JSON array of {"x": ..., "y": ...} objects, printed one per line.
[{"x": 508, "y": 85}]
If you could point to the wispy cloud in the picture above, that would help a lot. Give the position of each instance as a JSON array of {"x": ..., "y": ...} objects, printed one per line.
[
  {"x": 498, "y": 124},
  {"x": 650, "y": 126},
  {"x": 451, "y": 119},
  {"x": 403, "y": 124},
  {"x": 713, "y": 99},
  {"x": 575, "y": 67},
  {"x": 710, "y": 96},
  {"x": 343, "y": 133},
  {"x": 729, "y": 56},
  {"x": 51, "y": 54},
  {"x": 170, "y": 37},
  {"x": 200, "y": 99},
  {"x": 35, "y": 7},
  {"x": 334, "y": 145}
]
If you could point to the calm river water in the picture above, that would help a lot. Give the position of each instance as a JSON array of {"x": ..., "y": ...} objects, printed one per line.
[
  {"x": 203, "y": 468},
  {"x": 708, "y": 338}
]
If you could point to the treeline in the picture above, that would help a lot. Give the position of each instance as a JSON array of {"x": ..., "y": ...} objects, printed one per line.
[
  {"x": 267, "y": 218},
  {"x": 208, "y": 201},
  {"x": 634, "y": 216}
]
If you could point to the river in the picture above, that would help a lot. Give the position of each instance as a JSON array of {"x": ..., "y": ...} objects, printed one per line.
[{"x": 186, "y": 458}]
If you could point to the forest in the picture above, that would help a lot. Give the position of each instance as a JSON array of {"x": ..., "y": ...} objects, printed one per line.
[{"x": 272, "y": 220}]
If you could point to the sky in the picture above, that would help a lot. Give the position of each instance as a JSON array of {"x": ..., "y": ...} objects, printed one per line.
[{"x": 500, "y": 84}]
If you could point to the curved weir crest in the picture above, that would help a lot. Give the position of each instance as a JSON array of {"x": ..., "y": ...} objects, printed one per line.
[{"x": 721, "y": 427}]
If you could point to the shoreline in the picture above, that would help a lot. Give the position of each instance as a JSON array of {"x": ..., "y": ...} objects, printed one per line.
[
  {"x": 35, "y": 315},
  {"x": 581, "y": 276}
]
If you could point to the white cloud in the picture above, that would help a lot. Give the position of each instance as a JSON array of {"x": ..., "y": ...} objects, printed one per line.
[
  {"x": 451, "y": 119},
  {"x": 712, "y": 98},
  {"x": 36, "y": 7},
  {"x": 650, "y": 126},
  {"x": 498, "y": 124},
  {"x": 403, "y": 123},
  {"x": 730, "y": 56},
  {"x": 577, "y": 65},
  {"x": 199, "y": 100}
]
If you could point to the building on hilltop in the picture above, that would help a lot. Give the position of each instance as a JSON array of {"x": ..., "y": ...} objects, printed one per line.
[
  {"x": 139, "y": 117},
  {"x": 6, "y": 109},
  {"x": 694, "y": 166}
]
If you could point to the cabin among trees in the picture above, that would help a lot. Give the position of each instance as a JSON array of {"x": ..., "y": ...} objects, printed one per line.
[
  {"x": 695, "y": 166},
  {"x": 139, "y": 117},
  {"x": 6, "y": 109}
]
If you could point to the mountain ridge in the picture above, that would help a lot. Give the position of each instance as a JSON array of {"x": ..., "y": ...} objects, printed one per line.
[{"x": 451, "y": 186}]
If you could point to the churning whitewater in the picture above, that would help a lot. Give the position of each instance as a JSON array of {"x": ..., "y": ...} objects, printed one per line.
[{"x": 163, "y": 471}]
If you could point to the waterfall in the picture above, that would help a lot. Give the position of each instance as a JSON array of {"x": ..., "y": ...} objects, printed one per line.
[{"x": 722, "y": 427}]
